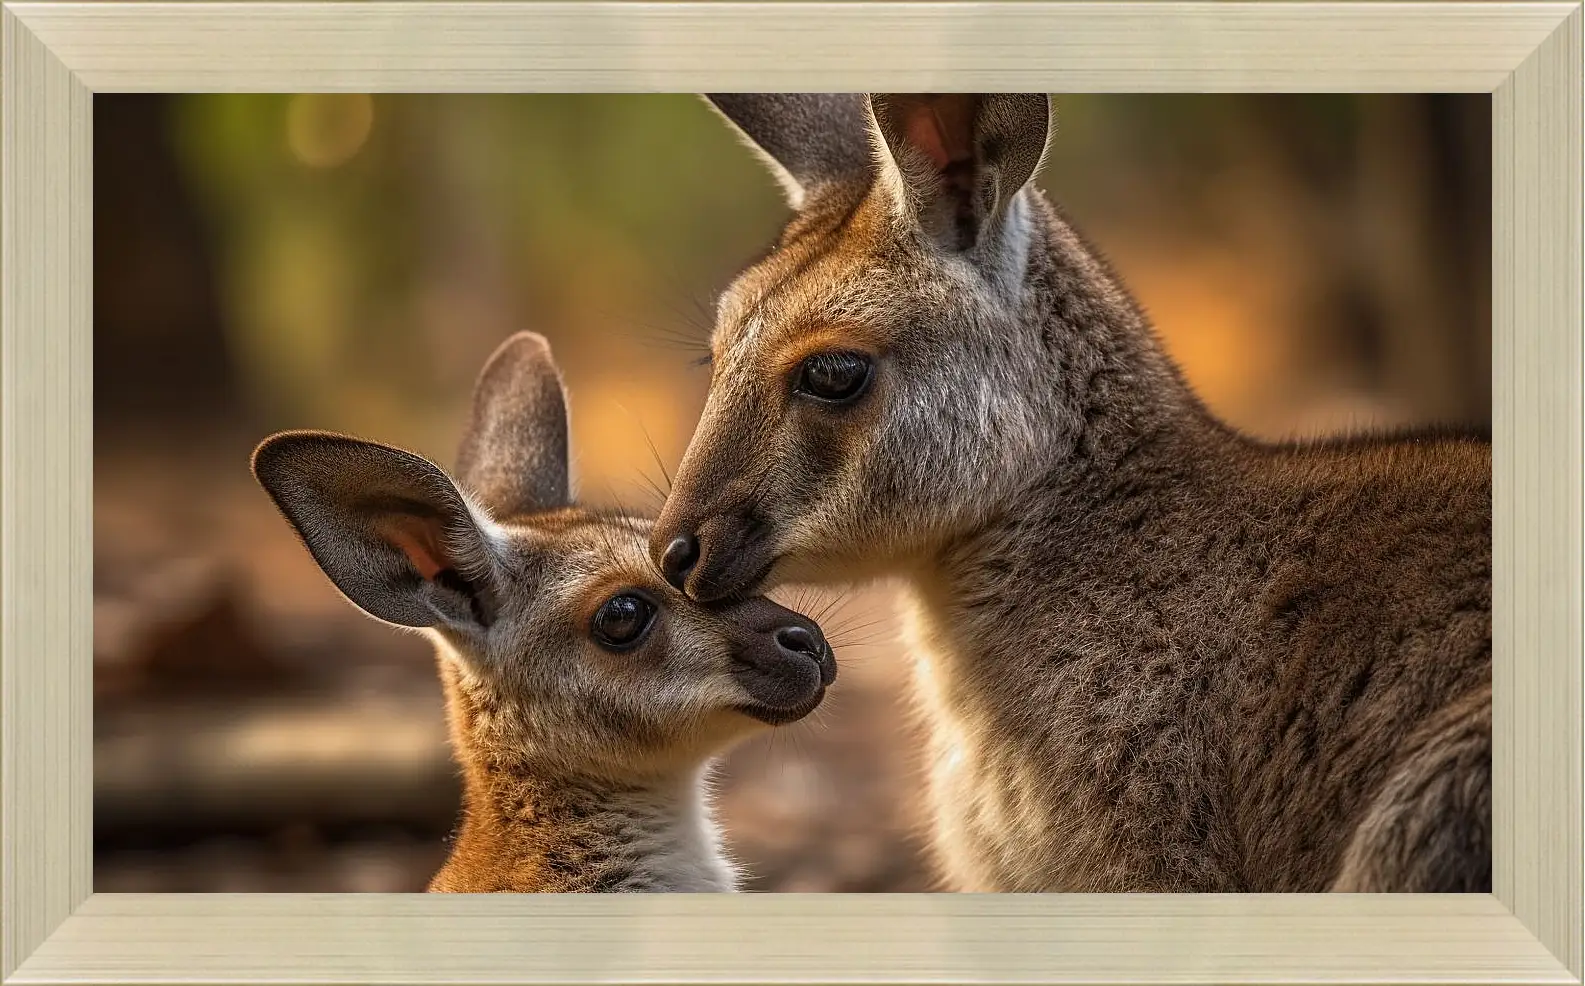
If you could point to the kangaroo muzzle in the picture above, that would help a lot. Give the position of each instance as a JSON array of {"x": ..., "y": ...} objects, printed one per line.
[
  {"x": 725, "y": 556},
  {"x": 781, "y": 660}
]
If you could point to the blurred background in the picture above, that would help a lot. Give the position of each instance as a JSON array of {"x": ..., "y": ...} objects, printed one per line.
[{"x": 1316, "y": 264}]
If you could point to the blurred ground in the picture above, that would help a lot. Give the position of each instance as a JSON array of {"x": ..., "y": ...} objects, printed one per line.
[{"x": 1316, "y": 263}]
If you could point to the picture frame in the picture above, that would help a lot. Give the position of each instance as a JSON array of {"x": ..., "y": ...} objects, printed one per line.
[{"x": 56, "y": 56}]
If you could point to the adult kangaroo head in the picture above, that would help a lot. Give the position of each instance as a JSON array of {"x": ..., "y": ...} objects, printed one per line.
[{"x": 887, "y": 369}]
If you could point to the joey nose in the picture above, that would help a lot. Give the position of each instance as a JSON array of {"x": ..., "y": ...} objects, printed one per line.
[
  {"x": 679, "y": 559},
  {"x": 800, "y": 640}
]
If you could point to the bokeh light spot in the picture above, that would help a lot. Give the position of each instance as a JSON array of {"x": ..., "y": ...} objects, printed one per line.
[{"x": 324, "y": 130}]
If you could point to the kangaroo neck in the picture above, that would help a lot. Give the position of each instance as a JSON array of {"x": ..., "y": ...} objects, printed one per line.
[
  {"x": 1131, "y": 453},
  {"x": 535, "y": 823},
  {"x": 1118, "y": 417},
  {"x": 533, "y": 831},
  {"x": 1111, "y": 390}
]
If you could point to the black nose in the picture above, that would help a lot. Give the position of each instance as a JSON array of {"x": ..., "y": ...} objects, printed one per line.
[
  {"x": 801, "y": 640},
  {"x": 680, "y": 557}
]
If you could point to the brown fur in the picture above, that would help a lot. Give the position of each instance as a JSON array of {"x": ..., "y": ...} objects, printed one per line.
[
  {"x": 1154, "y": 655},
  {"x": 529, "y": 827},
  {"x": 583, "y": 759}
]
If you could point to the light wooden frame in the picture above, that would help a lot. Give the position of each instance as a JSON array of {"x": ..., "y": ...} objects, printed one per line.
[{"x": 56, "y": 55}]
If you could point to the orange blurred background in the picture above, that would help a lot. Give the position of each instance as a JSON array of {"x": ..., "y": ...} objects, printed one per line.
[{"x": 1316, "y": 263}]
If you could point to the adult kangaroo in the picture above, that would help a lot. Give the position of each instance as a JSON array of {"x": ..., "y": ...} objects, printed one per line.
[{"x": 1154, "y": 655}]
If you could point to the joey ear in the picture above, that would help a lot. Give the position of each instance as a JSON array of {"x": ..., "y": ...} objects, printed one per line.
[
  {"x": 388, "y": 527},
  {"x": 809, "y": 140},
  {"x": 514, "y": 453},
  {"x": 957, "y": 160}
]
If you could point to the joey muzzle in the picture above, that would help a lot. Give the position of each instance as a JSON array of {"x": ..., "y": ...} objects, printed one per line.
[{"x": 781, "y": 660}]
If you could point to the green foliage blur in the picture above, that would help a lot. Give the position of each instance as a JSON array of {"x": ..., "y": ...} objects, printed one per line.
[{"x": 373, "y": 250}]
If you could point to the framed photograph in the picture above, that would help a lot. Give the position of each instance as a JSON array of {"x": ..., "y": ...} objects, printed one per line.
[{"x": 1124, "y": 526}]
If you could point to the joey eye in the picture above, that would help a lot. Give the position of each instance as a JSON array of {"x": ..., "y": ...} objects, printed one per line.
[
  {"x": 622, "y": 621},
  {"x": 836, "y": 378}
]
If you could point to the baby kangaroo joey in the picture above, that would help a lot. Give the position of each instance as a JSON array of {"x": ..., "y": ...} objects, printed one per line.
[{"x": 587, "y": 698}]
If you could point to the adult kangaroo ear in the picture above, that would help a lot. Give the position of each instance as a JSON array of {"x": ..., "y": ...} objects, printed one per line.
[
  {"x": 388, "y": 527},
  {"x": 810, "y": 141},
  {"x": 513, "y": 455},
  {"x": 957, "y": 161}
]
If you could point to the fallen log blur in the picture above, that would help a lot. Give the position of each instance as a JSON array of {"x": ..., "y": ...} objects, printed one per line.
[{"x": 178, "y": 769}]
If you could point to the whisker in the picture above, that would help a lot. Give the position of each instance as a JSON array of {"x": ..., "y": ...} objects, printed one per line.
[
  {"x": 685, "y": 301},
  {"x": 653, "y": 487},
  {"x": 852, "y": 650},
  {"x": 856, "y": 622},
  {"x": 848, "y": 629},
  {"x": 835, "y": 607},
  {"x": 644, "y": 431},
  {"x": 656, "y": 453}
]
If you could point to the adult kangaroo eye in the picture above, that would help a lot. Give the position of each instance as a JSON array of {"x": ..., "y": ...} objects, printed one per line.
[
  {"x": 835, "y": 378},
  {"x": 622, "y": 621}
]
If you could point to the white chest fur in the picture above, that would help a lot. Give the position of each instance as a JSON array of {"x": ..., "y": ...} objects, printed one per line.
[{"x": 989, "y": 814}]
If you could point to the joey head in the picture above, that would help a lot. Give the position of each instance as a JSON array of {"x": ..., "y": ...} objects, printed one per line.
[{"x": 586, "y": 696}]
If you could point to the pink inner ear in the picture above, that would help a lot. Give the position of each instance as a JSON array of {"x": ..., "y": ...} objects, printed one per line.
[
  {"x": 419, "y": 542},
  {"x": 924, "y": 132},
  {"x": 942, "y": 127}
]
